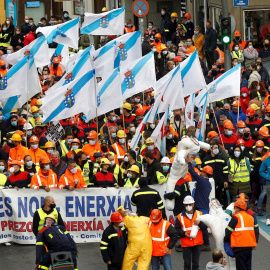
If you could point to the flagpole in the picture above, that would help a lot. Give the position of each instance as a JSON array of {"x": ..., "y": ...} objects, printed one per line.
[
  {"x": 108, "y": 128},
  {"x": 238, "y": 111},
  {"x": 97, "y": 120},
  {"x": 27, "y": 112}
]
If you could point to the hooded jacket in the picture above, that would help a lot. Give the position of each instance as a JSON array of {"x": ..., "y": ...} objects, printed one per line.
[
  {"x": 214, "y": 266},
  {"x": 244, "y": 100}
]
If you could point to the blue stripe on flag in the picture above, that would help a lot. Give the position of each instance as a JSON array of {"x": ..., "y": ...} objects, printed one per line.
[
  {"x": 136, "y": 69},
  {"x": 174, "y": 73},
  {"x": 96, "y": 24},
  {"x": 106, "y": 48},
  {"x": 10, "y": 104},
  {"x": 191, "y": 60},
  {"x": 59, "y": 49},
  {"x": 228, "y": 73},
  {"x": 16, "y": 67},
  {"x": 75, "y": 90}
]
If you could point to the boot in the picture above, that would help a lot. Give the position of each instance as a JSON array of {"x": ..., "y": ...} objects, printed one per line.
[
  {"x": 264, "y": 207},
  {"x": 206, "y": 248},
  {"x": 251, "y": 206}
]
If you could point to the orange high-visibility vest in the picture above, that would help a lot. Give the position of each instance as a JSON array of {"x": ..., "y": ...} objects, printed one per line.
[
  {"x": 36, "y": 155},
  {"x": 220, "y": 55},
  {"x": 3, "y": 72},
  {"x": 128, "y": 30},
  {"x": 58, "y": 72},
  {"x": 38, "y": 179},
  {"x": 17, "y": 153},
  {"x": 90, "y": 150},
  {"x": 68, "y": 179},
  {"x": 119, "y": 150}
]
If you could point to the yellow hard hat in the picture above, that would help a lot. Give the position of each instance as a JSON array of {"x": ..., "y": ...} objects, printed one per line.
[
  {"x": 51, "y": 216},
  {"x": 173, "y": 150},
  {"x": 39, "y": 102},
  {"x": 34, "y": 109},
  {"x": 174, "y": 14},
  {"x": 163, "y": 47},
  {"x": 127, "y": 106},
  {"x": 149, "y": 140},
  {"x": 39, "y": 122},
  {"x": 14, "y": 111},
  {"x": 105, "y": 161},
  {"x": 49, "y": 144},
  {"x": 16, "y": 137},
  {"x": 134, "y": 168},
  {"x": 198, "y": 161},
  {"x": 104, "y": 9},
  {"x": 121, "y": 134}
]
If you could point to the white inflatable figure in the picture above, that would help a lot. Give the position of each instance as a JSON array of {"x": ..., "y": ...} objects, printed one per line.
[
  {"x": 187, "y": 146},
  {"x": 217, "y": 221}
]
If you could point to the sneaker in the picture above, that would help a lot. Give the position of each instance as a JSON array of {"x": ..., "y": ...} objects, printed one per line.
[
  {"x": 7, "y": 244},
  {"x": 268, "y": 222},
  {"x": 205, "y": 248},
  {"x": 259, "y": 212}
]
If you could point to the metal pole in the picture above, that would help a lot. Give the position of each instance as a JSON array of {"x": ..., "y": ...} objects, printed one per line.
[
  {"x": 82, "y": 13},
  {"x": 141, "y": 27},
  {"x": 205, "y": 14},
  {"x": 227, "y": 55}
]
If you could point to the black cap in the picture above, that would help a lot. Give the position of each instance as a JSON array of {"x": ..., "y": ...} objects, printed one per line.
[{"x": 219, "y": 104}]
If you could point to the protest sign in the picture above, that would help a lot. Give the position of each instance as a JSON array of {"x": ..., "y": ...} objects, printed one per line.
[{"x": 54, "y": 132}]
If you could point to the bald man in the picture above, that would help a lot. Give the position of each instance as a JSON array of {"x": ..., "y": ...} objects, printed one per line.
[{"x": 49, "y": 207}]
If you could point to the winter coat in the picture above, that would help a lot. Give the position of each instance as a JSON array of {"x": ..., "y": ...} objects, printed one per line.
[
  {"x": 198, "y": 44},
  {"x": 250, "y": 55},
  {"x": 254, "y": 76},
  {"x": 182, "y": 50},
  {"x": 244, "y": 100},
  {"x": 210, "y": 40}
]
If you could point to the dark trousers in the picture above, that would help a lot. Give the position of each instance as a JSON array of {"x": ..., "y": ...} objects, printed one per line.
[
  {"x": 209, "y": 55},
  {"x": 243, "y": 259},
  {"x": 114, "y": 267},
  {"x": 191, "y": 255},
  {"x": 221, "y": 195},
  {"x": 206, "y": 241},
  {"x": 256, "y": 190}
]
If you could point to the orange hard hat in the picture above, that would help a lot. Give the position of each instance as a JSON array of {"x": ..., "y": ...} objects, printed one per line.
[
  {"x": 208, "y": 169},
  {"x": 156, "y": 215},
  {"x": 236, "y": 103},
  {"x": 34, "y": 139},
  {"x": 259, "y": 143},
  {"x": 228, "y": 125},
  {"x": 56, "y": 60},
  {"x": 177, "y": 59},
  {"x": 2, "y": 63},
  {"x": 237, "y": 33},
  {"x": 241, "y": 204},
  {"x": 240, "y": 141},
  {"x": 250, "y": 111},
  {"x": 92, "y": 134},
  {"x": 116, "y": 217},
  {"x": 188, "y": 16},
  {"x": 76, "y": 141},
  {"x": 21, "y": 121},
  {"x": 44, "y": 160},
  {"x": 242, "y": 196},
  {"x": 264, "y": 131},
  {"x": 158, "y": 35},
  {"x": 139, "y": 112},
  {"x": 212, "y": 134},
  {"x": 267, "y": 109},
  {"x": 19, "y": 132},
  {"x": 16, "y": 162},
  {"x": 241, "y": 124}
]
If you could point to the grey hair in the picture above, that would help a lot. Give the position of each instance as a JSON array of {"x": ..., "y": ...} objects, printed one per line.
[{"x": 55, "y": 152}]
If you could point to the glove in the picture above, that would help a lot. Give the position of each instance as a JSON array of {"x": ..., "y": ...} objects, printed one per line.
[{"x": 228, "y": 250}]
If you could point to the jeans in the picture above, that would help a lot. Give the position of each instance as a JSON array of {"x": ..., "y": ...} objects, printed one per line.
[
  {"x": 268, "y": 202},
  {"x": 166, "y": 261},
  {"x": 191, "y": 254},
  {"x": 261, "y": 198}
]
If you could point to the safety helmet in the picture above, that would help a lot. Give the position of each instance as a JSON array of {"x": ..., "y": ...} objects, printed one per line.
[
  {"x": 241, "y": 124},
  {"x": 19, "y": 132},
  {"x": 259, "y": 143},
  {"x": 121, "y": 134},
  {"x": 188, "y": 16},
  {"x": 211, "y": 134},
  {"x": 14, "y": 111},
  {"x": 240, "y": 203},
  {"x": 149, "y": 140},
  {"x": 44, "y": 160},
  {"x": 39, "y": 102},
  {"x": 16, "y": 162},
  {"x": 165, "y": 160},
  {"x": 27, "y": 126},
  {"x": 156, "y": 215},
  {"x": 104, "y": 9},
  {"x": 92, "y": 134},
  {"x": 264, "y": 131},
  {"x": 56, "y": 60},
  {"x": 158, "y": 35},
  {"x": 39, "y": 122},
  {"x": 75, "y": 140},
  {"x": 127, "y": 106},
  {"x": 134, "y": 168},
  {"x": 116, "y": 217},
  {"x": 21, "y": 121},
  {"x": 250, "y": 111},
  {"x": 208, "y": 169},
  {"x": 242, "y": 196},
  {"x": 49, "y": 145},
  {"x": 228, "y": 125},
  {"x": 163, "y": 47},
  {"x": 267, "y": 109},
  {"x": 177, "y": 59},
  {"x": 237, "y": 33},
  {"x": 173, "y": 150},
  {"x": 198, "y": 161},
  {"x": 34, "y": 109},
  {"x": 254, "y": 106},
  {"x": 2, "y": 63},
  {"x": 51, "y": 216},
  {"x": 139, "y": 112},
  {"x": 105, "y": 161},
  {"x": 16, "y": 137},
  {"x": 188, "y": 200},
  {"x": 34, "y": 139},
  {"x": 236, "y": 103},
  {"x": 240, "y": 141},
  {"x": 174, "y": 14}
]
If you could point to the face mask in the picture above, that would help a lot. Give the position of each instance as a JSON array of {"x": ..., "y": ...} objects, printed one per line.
[
  {"x": 113, "y": 163},
  {"x": 258, "y": 88},
  {"x": 189, "y": 208},
  {"x": 237, "y": 38},
  {"x": 8, "y": 51},
  {"x": 259, "y": 150},
  {"x": 55, "y": 66},
  {"x": 29, "y": 133},
  {"x": 65, "y": 15},
  {"x": 129, "y": 175},
  {"x": 74, "y": 170},
  {"x": 126, "y": 159},
  {"x": 215, "y": 151},
  {"x": 53, "y": 205},
  {"x": 122, "y": 141},
  {"x": 132, "y": 129},
  {"x": 12, "y": 169},
  {"x": 150, "y": 26},
  {"x": 152, "y": 126},
  {"x": 235, "y": 64},
  {"x": 137, "y": 100},
  {"x": 34, "y": 146},
  {"x": 196, "y": 32},
  {"x": 29, "y": 163},
  {"x": 154, "y": 49},
  {"x": 92, "y": 142},
  {"x": 173, "y": 66},
  {"x": 7, "y": 22},
  {"x": 162, "y": 12},
  {"x": 246, "y": 135},
  {"x": 237, "y": 154},
  {"x": 55, "y": 160},
  {"x": 188, "y": 43},
  {"x": 47, "y": 167},
  {"x": 187, "y": 21},
  {"x": 229, "y": 132},
  {"x": 75, "y": 147},
  {"x": 179, "y": 28},
  {"x": 36, "y": 115},
  {"x": 14, "y": 124},
  {"x": 45, "y": 76},
  {"x": 121, "y": 224},
  {"x": 241, "y": 130},
  {"x": 30, "y": 23},
  {"x": 17, "y": 32},
  {"x": 26, "y": 21},
  {"x": 113, "y": 135},
  {"x": 170, "y": 136},
  {"x": 258, "y": 68},
  {"x": 250, "y": 46},
  {"x": 2, "y": 168},
  {"x": 4, "y": 29},
  {"x": 244, "y": 95},
  {"x": 214, "y": 72},
  {"x": 164, "y": 52},
  {"x": 165, "y": 168},
  {"x": 150, "y": 147},
  {"x": 219, "y": 66},
  {"x": 113, "y": 118},
  {"x": 242, "y": 148},
  {"x": 236, "y": 48},
  {"x": 10, "y": 141},
  {"x": 104, "y": 148}
]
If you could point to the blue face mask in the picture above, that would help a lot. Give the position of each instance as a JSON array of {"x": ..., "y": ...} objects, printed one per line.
[
  {"x": 69, "y": 141},
  {"x": 29, "y": 133},
  {"x": 14, "y": 124},
  {"x": 4, "y": 29},
  {"x": 150, "y": 147},
  {"x": 36, "y": 115},
  {"x": 150, "y": 26},
  {"x": 8, "y": 51},
  {"x": 29, "y": 163},
  {"x": 165, "y": 168},
  {"x": 65, "y": 15},
  {"x": 188, "y": 43},
  {"x": 113, "y": 135},
  {"x": 2, "y": 168},
  {"x": 113, "y": 118},
  {"x": 229, "y": 132},
  {"x": 84, "y": 118},
  {"x": 129, "y": 175}
]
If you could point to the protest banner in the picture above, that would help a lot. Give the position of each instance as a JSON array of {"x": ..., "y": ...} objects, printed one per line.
[{"x": 54, "y": 132}]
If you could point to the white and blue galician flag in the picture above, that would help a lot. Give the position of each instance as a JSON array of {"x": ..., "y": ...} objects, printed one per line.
[
  {"x": 65, "y": 33},
  {"x": 106, "y": 23},
  {"x": 225, "y": 86},
  {"x": 38, "y": 49},
  {"x": 75, "y": 97},
  {"x": 138, "y": 76},
  {"x": 202, "y": 105},
  {"x": 62, "y": 52},
  {"x": 159, "y": 133},
  {"x": 189, "y": 111},
  {"x": 128, "y": 48},
  {"x": 15, "y": 82},
  {"x": 109, "y": 95},
  {"x": 192, "y": 75}
]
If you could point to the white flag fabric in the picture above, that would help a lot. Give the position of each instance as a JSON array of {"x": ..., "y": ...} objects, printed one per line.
[
  {"x": 109, "y": 95},
  {"x": 225, "y": 86},
  {"x": 128, "y": 48},
  {"x": 62, "y": 52},
  {"x": 159, "y": 133},
  {"x": 138, "y": 76},
  {"x": 65, "y": 33},
  {"x": 73, "y": 98},
  {"x": 189, "y": 111},
  {"x": 38, "y": 49},
  {"x": 106, "y": 23},
  {"x": 192, "y": 75}
]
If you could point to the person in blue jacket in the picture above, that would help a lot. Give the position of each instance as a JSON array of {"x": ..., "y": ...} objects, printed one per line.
[{"x": 234, "y": 113}]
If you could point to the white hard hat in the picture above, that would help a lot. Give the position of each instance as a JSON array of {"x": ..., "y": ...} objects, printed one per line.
[
  {"x": 188, "y": 200},
  {"x": 27, "y": 126},
  {"x": 165, "y": 160}
]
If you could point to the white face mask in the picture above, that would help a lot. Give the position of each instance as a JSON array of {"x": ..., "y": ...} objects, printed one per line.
[
  {"x": 50, "y": 151},
  {"x": 92, "y": 142},
  {"x": 122, "y": 140},
  {"x": 259, "y": 150},
  {"x": 75, "y": 147},
  {"x": 215, "y": 151},
  {"x": 258, "y": 88},
  {"x": 132, "y": 129},
  {"x": 152, "y": 126},
  {"x": 121, "y": 224},
  {"x": 241, "y": 130},
  {"x": 237, "y": 154},
  {"x": 162, "y": 12},
  {"x": 242, "y": 147},
  {"x": 244, "y": 95},
  {"x": 164, "y": 52},
  {"x": 12, "y": 169},
  {"x": 126, "y": 159},
  {"x": 34, "y": 146},
  {"x": 46, "y": 167},
  {"x": 112, "y": 162},
  {"x": 74, "y": 170},
  {"x": 137, "y": 100},
  {"x": 7, "y": 22},
  {"x": 189, "y": 208},
  {"x": 154, "y": 49}
]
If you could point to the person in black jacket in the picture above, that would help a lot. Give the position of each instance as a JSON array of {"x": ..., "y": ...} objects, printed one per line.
[
  {"x": 146, "y": 47},
  {"x": 152, "y": 166},
  {"x": 209, "y": 44},
  {"x": 165, "y": 18},
  {"x": 146, "y": 199},
  {"x": 114, "y": 242},
  {"x": 17, "y": 39}
]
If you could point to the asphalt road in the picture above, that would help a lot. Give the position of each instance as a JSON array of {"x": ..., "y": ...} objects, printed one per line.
[{"x": 22, "y": 257}]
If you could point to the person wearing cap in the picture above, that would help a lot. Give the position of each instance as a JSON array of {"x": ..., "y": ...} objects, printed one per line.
[
  {"x": 240, "y": 128},
  {"x": 234, "y": 113},
  {"x": 163, "y": 174},
  {"x": 93, "y": 146},
  {"x": 65, "y": 145},
  {"x": 170, "y": 27},
  {"x": 3, "y": 69},
  {"x": 172, "y": 154},
  {"x": 75, "y": 145},
  {"x": 186, "y": 20},
  {"x": 150, "y": 146},
  {"x": 104, "y": 178},
  {"x": 227, "y": 137},
  {"x": 253, "y": 121},
  {"x": 184, "y": 224},
  {"x": 114, "y": 242},
  {"x": 129, "y": 27},
  {"x": 55, "y": 69},
  {"x": 241, "y": 236},
  {"x": 115, "y": 168},
  {"x": 264, "y": 136},
  {"x": 128, "y": 117},
  {"x": 57, "y": 165},
  {"x": 51, "y": 239},
  {"x": 28, "y": 130},
  {"x": 40, "y": 132},
  {"x": 34, "y": 151},
  {"x": 266, "y": 120},
  {"x": 237, "y": 41},
  {"x": 18, "y": 151},
  {"x": 164, "y": 238},
  {"x": 120, "y": 147},
  {"x": 35, "y": 113},
  {"x": 133, "y": 176},
  {"x": 29, "y": 166},
  {"x": 241, "y": 143},
  {"x": 49, "y": 148},
  {"x": 177, "y": 60}
]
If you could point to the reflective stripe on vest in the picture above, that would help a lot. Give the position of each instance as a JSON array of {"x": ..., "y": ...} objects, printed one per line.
[
  {"x": 236, "y": 56},
  {"x": 85, "y": 172},
  {"x": 116, "y": 171},
  {"x": 242, "y": 227},
  {"x": 129, "y": 184},
  {"x": 183, "y": 223},
  {"x": 161, "y": 177},
  {"x": 42, "y": 216},
  {"x": 162, "y": 238},
  {"x": 117, "y": 151},
  {"x": 240, "y": 172},
  {"x": 54, "y": 185}
]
